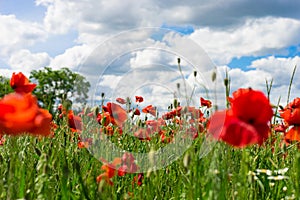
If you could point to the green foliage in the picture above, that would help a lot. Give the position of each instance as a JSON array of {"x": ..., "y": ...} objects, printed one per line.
[
  {"x": 4, "y": 86},
  {"x": 55, "y": 168},
  {"x": 59, "y": 85}
]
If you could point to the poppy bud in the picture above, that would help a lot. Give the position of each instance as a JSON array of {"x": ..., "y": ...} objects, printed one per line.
[
  {"x": 226, "y": 81},
  {"x": 97, "y": 110},
  {"x": 175, "y": 103},
  {"x": 213, "y": 76}
]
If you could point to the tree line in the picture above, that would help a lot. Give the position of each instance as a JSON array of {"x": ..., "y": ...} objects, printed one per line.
[{"x": 53, "y": 87}]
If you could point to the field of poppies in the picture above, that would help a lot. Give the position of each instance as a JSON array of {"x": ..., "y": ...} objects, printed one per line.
[{"x": 248, "y": 151}]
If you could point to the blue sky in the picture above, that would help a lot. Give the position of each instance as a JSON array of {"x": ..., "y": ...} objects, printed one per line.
[
  {"x": 25, "y": 10},
  {"x": 253, "y": 40}
]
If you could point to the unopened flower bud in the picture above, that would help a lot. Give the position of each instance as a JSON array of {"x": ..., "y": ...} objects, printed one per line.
[
  {"x": 226, "y": 82},
  {"x": 213, "y": 76},
  {"x": 175, "y": 103}
]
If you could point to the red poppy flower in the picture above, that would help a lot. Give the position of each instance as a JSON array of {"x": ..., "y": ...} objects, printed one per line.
[
  {"x": 116, "y": 112},
  {"x": 195, "y": 113},
  {"x": 168, "y": 115},
  {"x": 121, "y": 100},
  {"x": 105, "y": 119},
  {"x": 246, "y": 122},
  {"x": 74, "y": 121},
  {"x": 109, "y": 130},
  {"x": 137, "y": 112},
  {"x": 204, "y": 102},
  {"x": 251, "y": 106},
  {"x": 85, "y": 143},
  {"x": 280, "y": 128},
  {"x": 139, "y": 99},
  {"x": 60, "y": 107},
  {"x": 164, "y": 138},
  {"x": 149, "y": 109},
  {"x": 291, "y": 113},
  {"x": 293, "y": 134},
  {"x": 138, "y": 179},
  {"x": 19, "y": 113},
  {"x": 110, "y": 171},
  {"x": 21, "y": 84},
  {"x": 230, "y": 129},
  {"x": 156, "y": 125},
  {"x": 143, "y": 133}
]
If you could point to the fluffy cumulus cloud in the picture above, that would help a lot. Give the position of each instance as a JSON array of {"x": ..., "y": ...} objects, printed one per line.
[
  {"x": 25, "y": 60},
  {"x": 277, "y": 70},
  {"x": 113, "y": 15},
  {"x": 222, "y": 29},
  {"x": 71, "y": 58},
  {"x": 255, "y": 37},
  {"x": 280, "y": 70},
  {"x": 15, "y": 34}
]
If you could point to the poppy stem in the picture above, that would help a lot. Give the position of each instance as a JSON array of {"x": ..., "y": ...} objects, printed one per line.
[
  {"x": 290, "y": 85},
  {"x": 227, "y": 86},
  {"x": 269, "y": 87},
  {"x": 183, "y": 79}
]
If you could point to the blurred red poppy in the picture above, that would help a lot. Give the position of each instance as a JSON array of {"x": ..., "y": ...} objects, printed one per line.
[
  {"x": 204, "y": 102},
  {"x": 121, "y": 100},
  {"x": 143, "y": 133},
  {"x": 138, "y": 179},
  {"x": 21, "y": 84},
  {"x": 291, "y": 116},
  {"x": 293, "y": 134},
  {"x": 110, "y": 171},
  {"x": 246, "y": 122},
  {"x": 150, "y": 109},
  {"x": 137, "y": 112},
  {"x": 116, "y": 112},
  {"x": 251, "y": 106},
  {"x": 19, "y": 113},
  {"x": 74, "y": 121},
  {"x": 139, "y": 99},
  {"x": 156, "y": 125},
  {"x": 105, "y": 119},
  {"x": 291, "y": 113}
]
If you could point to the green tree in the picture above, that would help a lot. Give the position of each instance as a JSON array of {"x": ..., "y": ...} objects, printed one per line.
[
  {"x": 61, "y": 86},
  {"x": 4, "y": 86}
]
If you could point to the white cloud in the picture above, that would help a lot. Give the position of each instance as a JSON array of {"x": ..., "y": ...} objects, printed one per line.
[
  {"x": 60, "y": 16},
  {"x": 255, "y": 37},
  {"x": 280, "y": 69},
  {"x": 72, "y": 58},
  {"x": 7, "y": 72},
  {"x": 25, "y": 61},
  {"x": 15, "y": 34},
  {"x": 223, "y": 29},
  {"x": 111, "y": 16}
]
